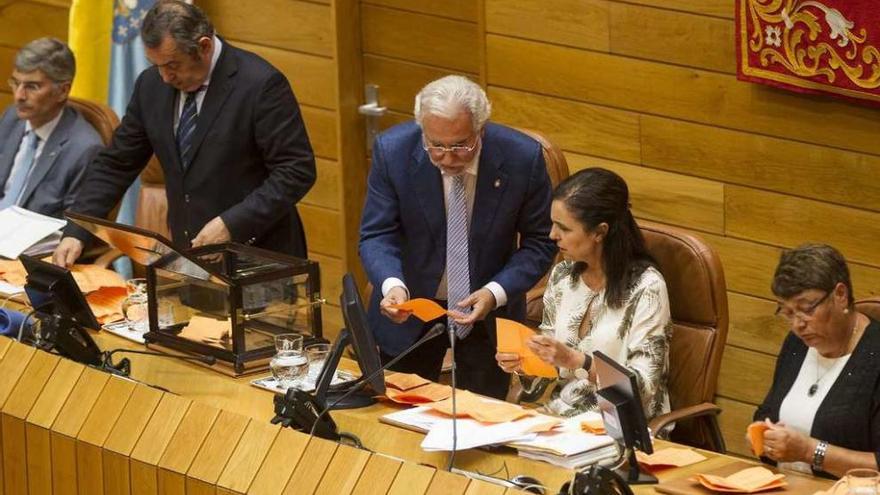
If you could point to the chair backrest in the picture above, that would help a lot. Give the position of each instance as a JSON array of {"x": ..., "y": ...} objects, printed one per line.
[
  {"x": 100, "y": 116},
  {"x": 698, "y": 302},
  {"x": 869, "y": 307}
]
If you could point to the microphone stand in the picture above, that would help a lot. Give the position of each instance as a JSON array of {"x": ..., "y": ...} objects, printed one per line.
[
  {"x": 430, "y": 334},
  {"x": 452, "y": 340}
]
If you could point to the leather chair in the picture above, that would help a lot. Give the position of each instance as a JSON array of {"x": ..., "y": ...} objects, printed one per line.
[
  {"x": 102, "y": 117},
  {"x": 698, "y": 305},
  {"x": 870, "y": 307}
]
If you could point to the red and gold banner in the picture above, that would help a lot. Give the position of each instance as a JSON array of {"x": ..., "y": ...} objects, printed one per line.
[{"x": 811, "y": 46}]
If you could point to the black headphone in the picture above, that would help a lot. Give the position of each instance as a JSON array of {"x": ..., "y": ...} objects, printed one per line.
[{"x": 597, "y": 481}]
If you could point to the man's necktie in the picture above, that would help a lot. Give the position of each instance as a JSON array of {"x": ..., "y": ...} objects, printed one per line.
[
  {"x": 186, "y": 127},
  {"x": 457, "y": 272},
  {"x": 18, "y": 180}
]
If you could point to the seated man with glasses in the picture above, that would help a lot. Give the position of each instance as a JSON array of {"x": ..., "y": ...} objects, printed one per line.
[
  {"x": 457, "y": 210},
  {"x": 823, "y": 408},
  {"x": 45, "y": 145}
]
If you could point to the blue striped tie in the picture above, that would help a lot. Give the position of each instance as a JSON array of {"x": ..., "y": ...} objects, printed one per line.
[
  {"x": 18, "y": 180},
  {"x": 458, "y": 281},
  {"x": 186, "y": 127}
]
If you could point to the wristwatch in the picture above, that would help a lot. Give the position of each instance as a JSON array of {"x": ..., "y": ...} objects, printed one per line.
[
  {"x": 583, "y": 372},
  {"x": 819, "y": 456}
]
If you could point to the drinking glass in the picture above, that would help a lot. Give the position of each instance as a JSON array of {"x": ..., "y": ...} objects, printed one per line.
[
  {"x": 317, "y": 354},
  {"x": 290, "y": 363},
  {"x": 134, "y": 307},
  {"x": 862, "y": 481}
]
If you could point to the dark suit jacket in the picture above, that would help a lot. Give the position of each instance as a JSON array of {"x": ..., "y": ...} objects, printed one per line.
[
  {"x": 403, "y": 228},
  {"x": 59, "y": 170},
  {"x": 252, "y": 159}
]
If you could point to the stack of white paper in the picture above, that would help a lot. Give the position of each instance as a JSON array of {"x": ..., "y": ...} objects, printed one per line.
[
  {"x": 21, "y": 229},
  {"x": 569, "y": 446}
]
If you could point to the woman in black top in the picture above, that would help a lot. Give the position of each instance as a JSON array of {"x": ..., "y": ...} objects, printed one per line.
[{"x": 823, "y": 409}]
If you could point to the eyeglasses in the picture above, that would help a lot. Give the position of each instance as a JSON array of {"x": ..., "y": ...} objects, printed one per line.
[
  {"x": 457, "y": 149},
  {"x": 804, "y": 315},
  {"x": 28, "y": 86}
]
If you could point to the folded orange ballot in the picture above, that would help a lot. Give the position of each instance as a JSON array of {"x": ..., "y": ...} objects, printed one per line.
[
  {"x": 512, "y": 337},
  {"x": 755, "y": 432},
  {"x": 423, "y": 309}
]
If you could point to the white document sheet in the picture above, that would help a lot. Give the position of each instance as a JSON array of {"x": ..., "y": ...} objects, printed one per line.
[
  {"x": 8, "y": 289},
  {"x": 473, "y": 434},
  {"x": 20, "y": 229}
]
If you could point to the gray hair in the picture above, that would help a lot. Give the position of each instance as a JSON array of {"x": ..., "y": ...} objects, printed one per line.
[
  {"x": 185, "y": 23},
  {"x": 448, "y": 96},
  {"x": 49, "y": 55},
  {"x": 811, "y": 266}
]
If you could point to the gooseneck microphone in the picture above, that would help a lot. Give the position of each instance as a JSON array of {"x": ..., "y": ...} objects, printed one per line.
[
  {"x": 124, "y": 366},
  {"x": 451, "y": 463},
  {"x": 430, "y": 334}
]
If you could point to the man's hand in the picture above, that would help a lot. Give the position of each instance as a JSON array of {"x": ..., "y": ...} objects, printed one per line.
[
  {"x": 67, "y": 252},
  {"x": 214, "y": 232},
  {"x": 396, "y": 295},
  {"x": 509, "y": 362},
  {"x": 481, "y": 302}
]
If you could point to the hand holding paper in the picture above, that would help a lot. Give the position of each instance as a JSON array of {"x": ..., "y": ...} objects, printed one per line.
[
  {"x": 512, "y": 338},
  {"x": 423, "y": 309}
]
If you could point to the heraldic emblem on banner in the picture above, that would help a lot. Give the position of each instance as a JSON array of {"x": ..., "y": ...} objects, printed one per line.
[{"x": 812, "y": 46}]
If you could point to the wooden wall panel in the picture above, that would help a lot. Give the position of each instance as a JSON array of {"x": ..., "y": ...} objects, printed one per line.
[
  {"x": 555, "y": 21},
  {"x": 717, "y": 8},
  {"x": 733, "y": 420},
  {"x": 325, "y": 192},
  {"x": 462, "y": 10},
  {"x": 321, "y": 126},
  {"x": 322, "y": 230},
  {"x": 679, "y": 92},
  {"x": 313, "y": 78},
  {"x": 663, "y": 196},
  {"x": 745, "y": 375},
  {"x": 673, "y": 37},
  {"x": 417, "y": 37},
  {"x": 753, "y": 324},
  {"x": 399, "y": 81},
  {"x": 42, "y": 20},
  {"x": 822, "y": 173},
  {"x": 573, "y": 126},
  {"x": 288, "y": 24},
  {"x": 787, "y": 220}
]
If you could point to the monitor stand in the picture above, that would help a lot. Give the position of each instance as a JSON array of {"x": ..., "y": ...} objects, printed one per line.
[{"x": 327, "y": 396}]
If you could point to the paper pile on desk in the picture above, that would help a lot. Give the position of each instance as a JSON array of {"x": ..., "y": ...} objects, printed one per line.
[
  {"x": 569, "y": 445},
  {"x": 20, "y": 229},
  {"x": 669, "y": 457},
  {"x": 751, "y": 480},
  {"x": 207, "y": 331}
]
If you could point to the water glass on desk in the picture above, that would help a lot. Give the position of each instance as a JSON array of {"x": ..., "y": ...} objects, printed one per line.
[
  {"x": 290, "y": 363},
  {"x": 317, "y": 354},
  {"x": 134, "y": 307},
  {"x": 862, "y": 482}
]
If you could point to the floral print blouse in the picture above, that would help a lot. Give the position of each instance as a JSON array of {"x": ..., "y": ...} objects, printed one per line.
[{"x": 636, "y": 335}]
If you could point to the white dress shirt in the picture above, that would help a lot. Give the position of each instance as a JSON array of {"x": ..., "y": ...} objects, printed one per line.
[
  {"x": 470, "y": 186},
  {"x": 43, "y": 132}
]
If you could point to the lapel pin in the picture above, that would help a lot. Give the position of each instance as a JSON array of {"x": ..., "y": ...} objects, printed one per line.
[{"x": 497, "y": 183}]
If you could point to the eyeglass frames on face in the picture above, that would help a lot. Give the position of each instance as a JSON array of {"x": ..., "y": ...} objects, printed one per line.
[
  {"x": 457, "y": 149},
  {"x": 27, "y": 86},
  {"x": 804, "y": 314}
]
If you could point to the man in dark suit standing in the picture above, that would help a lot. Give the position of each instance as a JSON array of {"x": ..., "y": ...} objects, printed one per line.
[
  {"x": 44, "y": 144},
  {"x": 227, "y": 130},
  {"x": 457, "y": 210}
]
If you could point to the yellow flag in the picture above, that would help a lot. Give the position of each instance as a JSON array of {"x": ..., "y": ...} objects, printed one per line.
[{"x": 91, "y": 24}]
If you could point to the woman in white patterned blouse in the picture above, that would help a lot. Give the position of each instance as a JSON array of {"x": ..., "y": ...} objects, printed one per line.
[{"x": 606, "y": 295}]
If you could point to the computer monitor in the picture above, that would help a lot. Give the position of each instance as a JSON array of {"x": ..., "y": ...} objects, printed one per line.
[
  {"x": 357, "y": 333},
  {"x": 623, "y": 414},
  {"x": 53, "y": 291}
]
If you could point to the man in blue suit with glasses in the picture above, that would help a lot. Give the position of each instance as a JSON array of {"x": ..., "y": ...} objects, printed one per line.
[{"x": 457, "y": 210}]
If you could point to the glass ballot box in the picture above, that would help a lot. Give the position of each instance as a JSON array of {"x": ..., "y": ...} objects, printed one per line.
[{"x": 227, "y": 301}]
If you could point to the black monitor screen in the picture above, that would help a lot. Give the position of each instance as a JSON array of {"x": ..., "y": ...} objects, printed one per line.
[
  {"x": 619, "y": 388},
  {"x": 362, "y": 339},
  {"x": 52, "y": 289}
]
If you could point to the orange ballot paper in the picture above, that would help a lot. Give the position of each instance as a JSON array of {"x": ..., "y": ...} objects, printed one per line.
[
  {"x": 755, "y": 432},
  {"x": 750, "y": 480},
  {"x": 669, "y": 457},
  {"x": 423, "y": 309},
  {"x": 512, "y": 338}
]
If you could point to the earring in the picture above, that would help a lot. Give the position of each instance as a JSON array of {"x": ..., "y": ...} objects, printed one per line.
[{"x": 846, "y": 311}]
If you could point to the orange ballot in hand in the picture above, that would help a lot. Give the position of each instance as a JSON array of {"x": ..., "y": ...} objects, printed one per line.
[
  {"x": 512, "y": 338},
  {"x": 423, "y": 309},
  {"x": 755, "y": 432}
]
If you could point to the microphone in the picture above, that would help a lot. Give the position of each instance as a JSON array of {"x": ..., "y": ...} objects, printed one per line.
[
  {"x": 124, "y": 366},
  {"x": 430, "y": 334},
  {"x": 452, "y": 339}
]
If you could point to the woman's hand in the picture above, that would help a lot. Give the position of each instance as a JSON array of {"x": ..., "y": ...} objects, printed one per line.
[
  {"x": 509, "y": 362},
  {"x": 555, "y": 352},
  {"x": 783, "y": 444}
]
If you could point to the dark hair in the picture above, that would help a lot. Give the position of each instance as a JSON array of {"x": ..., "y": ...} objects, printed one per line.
[
  {"x": 184, "y": 22},
  {"x": 810, "y": 266},
  {"x": 596, "y": 195},
  {"x": 49, "y": 55}
]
